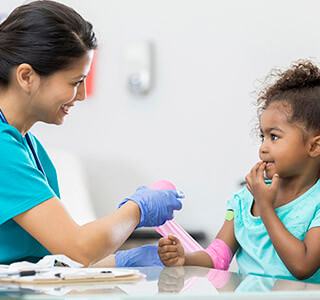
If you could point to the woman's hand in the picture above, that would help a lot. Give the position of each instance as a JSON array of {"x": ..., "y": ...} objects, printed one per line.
[
  {"x": 156, "y": 206},
  {"x": 144, "y": 256},
  {"x": 264, "y": 195},
  {"x": 171, "y": 252}
]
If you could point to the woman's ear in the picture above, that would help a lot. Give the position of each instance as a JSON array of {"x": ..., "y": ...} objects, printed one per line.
[
  {"x": 27, "y": 79},
  {"x": 315, "y": 146}
]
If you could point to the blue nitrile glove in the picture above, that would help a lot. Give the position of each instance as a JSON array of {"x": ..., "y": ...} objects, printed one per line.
[
  {"x": 144, "y": 256},
  {"x": 156, "y": 206}
]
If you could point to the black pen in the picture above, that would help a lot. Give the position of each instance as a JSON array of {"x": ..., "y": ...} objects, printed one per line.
[{"x": 21, "y": 273}]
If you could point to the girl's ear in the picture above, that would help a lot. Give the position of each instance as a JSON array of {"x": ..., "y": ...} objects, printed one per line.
[
  {"x": 27, "y": 79},
  {"x": 315, "y": 146}
]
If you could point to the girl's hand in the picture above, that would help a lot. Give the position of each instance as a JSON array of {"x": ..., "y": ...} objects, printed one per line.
[
  {"x": 171, "y": 280},
  {"x": 171, "y": 252},
  {"x": 264, "y": 195}
]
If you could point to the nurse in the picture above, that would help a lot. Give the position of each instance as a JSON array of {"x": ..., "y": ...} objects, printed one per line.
[{"x": 46, "y": 49}]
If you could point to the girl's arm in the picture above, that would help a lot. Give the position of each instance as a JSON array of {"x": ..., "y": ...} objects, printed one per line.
[
  {"x": 302, "y": 258},
  {"x": 53, "y": 227},
  {"x": 172, "y": 253},
  {"x": 202, "y": 259}
]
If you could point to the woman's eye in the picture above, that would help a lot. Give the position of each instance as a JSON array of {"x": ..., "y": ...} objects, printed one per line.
[
  {"x": 274, "y": 137},
  {"x": 261, "y": 137},
  {"x": 78, "y": 83}
]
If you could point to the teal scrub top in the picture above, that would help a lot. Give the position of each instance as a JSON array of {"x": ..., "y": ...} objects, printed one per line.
[
  {"x": 256, "y": 254},
  {"x": 22, "y": 186}
]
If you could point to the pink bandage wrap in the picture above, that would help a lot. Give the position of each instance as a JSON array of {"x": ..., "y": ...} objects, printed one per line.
[
  {"x": 171, "y": 226},
  {"x": 218, "y": 250},
  {"x": 220, "y": 254}
]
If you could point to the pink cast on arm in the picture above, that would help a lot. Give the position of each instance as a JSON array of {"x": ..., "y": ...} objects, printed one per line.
[{"x": 220, "y": 254}]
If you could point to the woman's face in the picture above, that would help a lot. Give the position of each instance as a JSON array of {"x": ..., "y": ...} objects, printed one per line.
[{"x": 59, "y": 92}]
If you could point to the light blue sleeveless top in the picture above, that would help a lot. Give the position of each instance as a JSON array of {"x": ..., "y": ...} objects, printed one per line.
[{"x": 256, "y": 254}]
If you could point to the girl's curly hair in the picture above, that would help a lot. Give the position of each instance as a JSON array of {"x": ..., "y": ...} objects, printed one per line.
[{"x": 299, "y": 88}]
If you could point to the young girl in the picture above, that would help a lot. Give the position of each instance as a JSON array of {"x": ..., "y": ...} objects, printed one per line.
[{"x": 273, "y": 226}]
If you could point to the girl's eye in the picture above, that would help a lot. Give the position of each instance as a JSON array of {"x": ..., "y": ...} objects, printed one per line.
[
  {"x": 274, "y": 137},
  {"x": 261, "y": 137}
]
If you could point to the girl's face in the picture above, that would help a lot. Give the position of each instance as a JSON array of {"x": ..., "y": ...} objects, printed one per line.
[
  {"x": 58, "y": 93},
  {"x": 282, "y": 145}
]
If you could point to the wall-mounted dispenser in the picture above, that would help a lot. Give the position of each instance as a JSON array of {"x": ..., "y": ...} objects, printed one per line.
[{"x": 138, "y": 66}]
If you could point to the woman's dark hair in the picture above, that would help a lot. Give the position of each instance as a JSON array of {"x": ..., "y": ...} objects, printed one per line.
[
  {"x": 299, "y": 89},
  {"x": 47, "y": 35}
]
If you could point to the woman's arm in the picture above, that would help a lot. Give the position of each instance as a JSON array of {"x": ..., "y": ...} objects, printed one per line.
[
  {"x": 108, "y": 261},
  {"x": 53, "y": 227}
]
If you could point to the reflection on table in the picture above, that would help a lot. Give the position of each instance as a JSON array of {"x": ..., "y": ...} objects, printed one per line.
[
  {"x": 183, "y": 279},
  {"x": 161, "y": 281}
]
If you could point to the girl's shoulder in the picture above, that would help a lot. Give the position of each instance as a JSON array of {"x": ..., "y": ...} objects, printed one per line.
[
  {"x": 242, "y": 197},
  {"x": 313, "y": 194},
  {"x": 243, "y": 194}
]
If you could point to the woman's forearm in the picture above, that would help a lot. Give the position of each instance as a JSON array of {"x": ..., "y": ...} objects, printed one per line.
[
  {"x": 107, "y": 262},
  {"x": 109, "y": 233},
  {"x": 52, "y": 226}
]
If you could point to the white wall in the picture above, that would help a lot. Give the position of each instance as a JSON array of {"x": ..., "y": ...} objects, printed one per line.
[{"x": 193, "y": 128}]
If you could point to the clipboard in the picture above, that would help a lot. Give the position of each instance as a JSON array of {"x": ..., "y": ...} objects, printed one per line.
[{"x": 64, "y": 275}]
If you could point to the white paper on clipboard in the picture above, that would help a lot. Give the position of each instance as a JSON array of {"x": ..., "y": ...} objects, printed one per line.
[{"x": 73, "y": 275}]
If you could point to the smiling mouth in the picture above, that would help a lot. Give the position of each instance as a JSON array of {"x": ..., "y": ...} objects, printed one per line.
[{"x": 66, "y": 108}]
